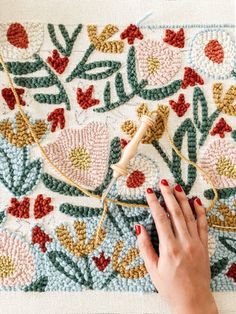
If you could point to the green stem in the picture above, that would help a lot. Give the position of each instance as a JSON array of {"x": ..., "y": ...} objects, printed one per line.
[
  {"x": 166, "y": 159},
  {"x": 207, "y": 128}
]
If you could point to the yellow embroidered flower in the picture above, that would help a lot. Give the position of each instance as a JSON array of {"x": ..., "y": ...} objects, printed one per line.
[
  {"x": 123, "y": 266},
  {"x": 225, "y": 103},
  {"x": 153, "y": 133},
  {"x": 80, "y": 247},
  {"x": 19, "y": 135},
  {"x": 100, "y": 41},
  {"x": 229, "y": 219}
]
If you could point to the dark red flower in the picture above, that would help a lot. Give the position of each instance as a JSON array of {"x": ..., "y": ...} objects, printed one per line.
[
  {"x": 40, "y": 237},
  {"x": 232, "y": 272},
  {"x": 131, "y": 33},
  {"x": 42, "y": 206},
  {"x": 191, "y": 78},
  {"x": 9, "y": 97},
  {"x": 101, "y": 262},
  {"x": 84, "y": 99},
  {"x": 57, "y": 62},
  {"x": 19, "y": 209},
  {"x": 220, "y": 128},
  {"x": 180, "y": 107},
  {"x": 57, "y": 118},
  {"x": 175, "y": 39}
]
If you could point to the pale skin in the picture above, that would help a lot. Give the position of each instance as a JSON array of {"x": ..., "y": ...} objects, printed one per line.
[{"x": 181, "y": 272}]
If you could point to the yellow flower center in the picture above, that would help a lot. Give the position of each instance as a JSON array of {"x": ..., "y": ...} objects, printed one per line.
[
  {"x": 153, "y": 65},
  {"x": 226, "y": 168},
  {"x": 7, "y": 266},
  {"x": 80, "y": 158}
]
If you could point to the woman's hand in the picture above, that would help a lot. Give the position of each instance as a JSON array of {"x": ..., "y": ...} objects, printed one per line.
[{"x": 181, "y": 272}]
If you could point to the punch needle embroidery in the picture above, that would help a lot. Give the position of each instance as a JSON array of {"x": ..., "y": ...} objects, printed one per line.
[{"x": 82, "y": 91}]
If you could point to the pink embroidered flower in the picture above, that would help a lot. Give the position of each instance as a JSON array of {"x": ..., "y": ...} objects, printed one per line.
[
  {"x": 158, "y": 63},
  {"x": 143, "y": 172},
  {"x": 82, "y": 155},
  {"x": 219, "y": 162},
  {"x": 16, "y": 261},
  {"x": 20, "y": 40}
]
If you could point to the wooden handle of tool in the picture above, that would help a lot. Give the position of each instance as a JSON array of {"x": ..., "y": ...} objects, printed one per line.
[{"x": 130, "y": 150}]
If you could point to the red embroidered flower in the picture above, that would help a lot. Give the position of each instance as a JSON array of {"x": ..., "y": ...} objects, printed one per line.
[
  {"x": 40, "y": 237},
  {"x": 17, "y": 36},
  {"x": 9, "y": 97},
  {"x": 131, "y": 33},
  {"x": 175, "y": 39},
  {"x": 221, "y": 127},
  {"x": 101, "y": 262},
  {"x": 84, "y": 99},
  {"x": 42, "y": 206},
  {"x": 19, "y": 209},
  {"x": 57, "y": 118},
  {"x": 232, "y": 272},
  {"x": 123, "y": 143},
  {"x": 57, "y": 62},
  {"x": 191, "y": 78},
  {"x": 180, "y": 107},
  {"x": 135, "y": 179}
]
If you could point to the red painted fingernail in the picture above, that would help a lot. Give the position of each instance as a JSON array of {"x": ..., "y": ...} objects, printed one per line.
[
  {"x": 137, "y": 229},
  {"x": 149, "y": 190},
  {"x": 198, "y": 201},
  {"x": 178, "y": 188},
  {"x": 164, "y": 182}
]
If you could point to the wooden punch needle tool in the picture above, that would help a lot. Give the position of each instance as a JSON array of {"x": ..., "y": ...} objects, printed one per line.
[{"x": 130, "y": 150}]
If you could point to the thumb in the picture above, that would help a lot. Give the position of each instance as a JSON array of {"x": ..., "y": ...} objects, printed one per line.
[{"x": 146, "y": 249}]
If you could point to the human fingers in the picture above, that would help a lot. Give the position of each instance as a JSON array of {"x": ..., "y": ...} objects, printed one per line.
[
  {"x": 187, "y": 211},
  {"x": 160, "y": 217}
]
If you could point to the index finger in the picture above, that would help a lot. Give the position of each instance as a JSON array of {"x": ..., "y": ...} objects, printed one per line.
[{"x": 160, "y": 218}]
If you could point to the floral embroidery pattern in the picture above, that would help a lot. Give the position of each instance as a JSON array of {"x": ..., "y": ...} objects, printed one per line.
[{"x": 84, "y": 99}]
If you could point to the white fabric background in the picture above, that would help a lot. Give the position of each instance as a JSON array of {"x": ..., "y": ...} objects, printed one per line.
[{"x": 120, "y": 12}]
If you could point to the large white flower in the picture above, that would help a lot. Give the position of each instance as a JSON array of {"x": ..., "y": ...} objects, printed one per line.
[
  {"x": 20, "y": 40},
  {"x": 16, "y": 261},
  {"x": 142, "y": 173},
  {"x": 157, "y": 62},
  {"x": 212, "y": 52}
]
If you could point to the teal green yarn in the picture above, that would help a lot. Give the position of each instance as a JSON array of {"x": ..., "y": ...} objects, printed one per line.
[
  {"x": 222, "y": 193},
  {"x": 38, "y": 286},
  {"x": 17, "y": 173}
]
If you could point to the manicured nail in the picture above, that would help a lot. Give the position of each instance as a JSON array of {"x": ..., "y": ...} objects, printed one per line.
[
  {"x": 164, "y": 182},
  {"x": 149, "y": 190},
  {"x": 198, "y": 201},
  {"x": 137, "y": 229},
  {"x": 178, "y": 188}
]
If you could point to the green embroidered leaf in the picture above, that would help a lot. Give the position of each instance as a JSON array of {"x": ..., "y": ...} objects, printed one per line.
[
  {"x": 69, "y": 41},
  {"x": 218, "y": 267},
  {"x": 38, "y": 286},
  {"x": 44, "y": 81},
  {"x": 115, "y": 154},
  {"x": 16, "y": 172},
  {"x": 105, "y": 69},
  {"x": 2, "y": 216},
  {"x": 185, "y": 129},
  {"x": 222, "y": 193},
  {"x": 70, "y": 268},
  {"x": 233, "y": 134},
  {"x": 160, "y": 93},
  {"x": 21, "y": 68},
  {"x": 204, "y": 125},
  {"x": 225, "y": 242},
  {"x": 79, "y": 211},
  {"x": 59, "y": 186}
]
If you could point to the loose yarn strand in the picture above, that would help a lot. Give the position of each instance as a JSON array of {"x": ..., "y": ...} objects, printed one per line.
[{"x": 84, "y": 190}]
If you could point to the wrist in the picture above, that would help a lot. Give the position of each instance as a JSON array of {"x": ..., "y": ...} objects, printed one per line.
[{"x": 198, "y": 304}]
